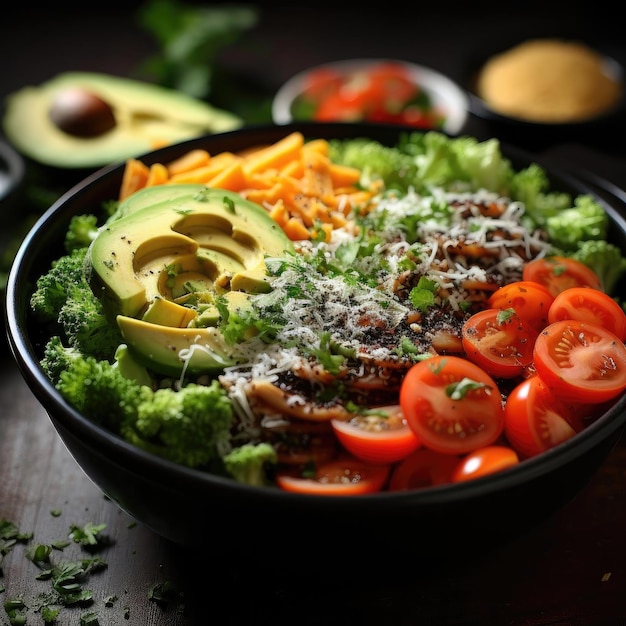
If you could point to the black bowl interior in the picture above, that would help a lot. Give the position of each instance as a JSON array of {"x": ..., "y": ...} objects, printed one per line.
[{"x": 180, "y": 503}]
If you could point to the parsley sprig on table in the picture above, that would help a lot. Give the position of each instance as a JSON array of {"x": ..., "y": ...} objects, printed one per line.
[{"x": 68, "y": 578}]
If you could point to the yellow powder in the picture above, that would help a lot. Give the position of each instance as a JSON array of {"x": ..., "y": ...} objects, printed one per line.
[{"x": 548, "y": 80}]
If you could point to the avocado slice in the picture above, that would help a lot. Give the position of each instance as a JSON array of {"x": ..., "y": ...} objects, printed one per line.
[
  {"x": 86, "y": 120},
  {"x": 157, "y": 261},
  {"x": 169, "y": 350}
]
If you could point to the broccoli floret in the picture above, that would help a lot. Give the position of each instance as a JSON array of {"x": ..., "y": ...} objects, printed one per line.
[
  {"x": 584, "y": 221},
  {"x": 95, "y": 388},
  {"x": 190, "y": 426},
  {"x": 63, "y": 296},
  {"x": 605, "y": 259},
  {"x": 252, "y": 463},
  {"x": 82, "y": 230},
  {"x": 57, "y": 358},
  {"x": 53, "y": 287},
  {"x": 86, "y": 325}
]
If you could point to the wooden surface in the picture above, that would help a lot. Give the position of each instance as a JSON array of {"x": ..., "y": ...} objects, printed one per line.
[{"x": 569, "y": 570}]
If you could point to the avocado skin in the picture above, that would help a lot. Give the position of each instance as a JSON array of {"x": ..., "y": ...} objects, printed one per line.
[
  {"x": 148, "y": 116},
  {"x": 163, "y": 238}
]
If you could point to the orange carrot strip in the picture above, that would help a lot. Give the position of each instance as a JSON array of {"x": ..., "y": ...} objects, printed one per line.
[
  {"x": 205, "y": 173},
  {"x": 158, "y": 175},
  {"x": 192, "y": 160},
  {"x": 296, "y": 230},
  {"x": 276, "y": 155},
  {"x": 231, "y": 177},
  {"x": 134, "y": 177},
  {"x": 316, "y": 145},
  {"x": 343, "y": 175}
]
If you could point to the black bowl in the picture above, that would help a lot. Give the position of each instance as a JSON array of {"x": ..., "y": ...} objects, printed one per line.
[
  {"x": 187, "y": 506},
  {"x": 602, "y": 130}
]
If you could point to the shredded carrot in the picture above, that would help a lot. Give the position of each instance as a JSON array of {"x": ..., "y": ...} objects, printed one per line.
[
  {"x": 294, "y": 180},
  {"x": 134, "y": 178}
]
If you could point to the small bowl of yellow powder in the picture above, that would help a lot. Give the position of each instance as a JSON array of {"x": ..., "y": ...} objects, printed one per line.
[{"x": 547, "y": 85}]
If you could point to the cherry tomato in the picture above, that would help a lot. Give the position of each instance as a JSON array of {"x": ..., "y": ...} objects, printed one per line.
[
  {"x": 591, "y": 306},
  {"x": 341, "y": 477},
  {"x": 453, "y": 405},
  {"x": 423, "y": 468},
  {"x": 582, "y": 362},
  {"x": 392, "y": 83},
  {"x": 340, "y": 106},
  {"x": 484, "y": 461},
  {"x": 530, "y": 300},
  {"x": 535, "y": 419},
  {"x": 322, "y": 82},
  {"x": 384, "y": 92},
  {"x": 381, "y": 436},
  {"x": 499, "y": 341},
  {"x": 559, "y": 273}
]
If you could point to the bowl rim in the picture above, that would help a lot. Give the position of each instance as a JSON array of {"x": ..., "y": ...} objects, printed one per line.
[
  {"x": 443, "y": 89},
  {"x": 24, "y": 350}
]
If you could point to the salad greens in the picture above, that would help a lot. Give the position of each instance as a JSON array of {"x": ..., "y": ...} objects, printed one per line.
[{"x": 195, "y": 422}]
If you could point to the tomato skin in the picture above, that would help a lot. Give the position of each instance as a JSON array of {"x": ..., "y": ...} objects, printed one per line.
[
  {"x": 483, "y": 462},
  {"x": 558, "y": 273},
  {"x": 530, "y": 300},
  {"x": 451, "y": 425},
  {"x": 346, "y": 476},
  {"x": 581, "y": 362},
  {"x": 499, "y": 341},
  {"x": 375, "y": 438},
  {"x": 535, "y": 419},
  {"x": 321, "y": 83},
  {"x": 384, "y": 92},
  {"x": 423, "y": 468},
  {"x": 591, "y": 306}
]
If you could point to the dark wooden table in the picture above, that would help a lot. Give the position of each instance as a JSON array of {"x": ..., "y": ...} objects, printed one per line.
[{"x": 568, "y": 570}]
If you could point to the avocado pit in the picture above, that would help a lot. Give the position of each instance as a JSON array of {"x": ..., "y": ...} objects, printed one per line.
[{"x": 81, "y": 113}]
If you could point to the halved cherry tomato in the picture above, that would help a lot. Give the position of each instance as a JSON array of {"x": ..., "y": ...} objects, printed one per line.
[
  {"x": 581, "y": 362},
  {"x": 484, "y": 461},
  {"x": 535, "y": 419},
  {"x": 423, "y": 468},
  {"x": 346, "y": 476},
  {"x": 453, "y": 405},
  {"x": 530, "y": 300},
  {"x": 559, "y": 273},
  {"x": 591, "y": 306},
  {"x": 499, "y": 341},
  {"x": 381, "y": 436}
]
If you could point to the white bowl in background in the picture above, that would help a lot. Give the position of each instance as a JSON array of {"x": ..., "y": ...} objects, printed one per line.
[{"x": 444, "y": 93}]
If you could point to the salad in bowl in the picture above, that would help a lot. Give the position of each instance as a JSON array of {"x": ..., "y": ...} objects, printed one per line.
[{"x": 337, "y": 315}]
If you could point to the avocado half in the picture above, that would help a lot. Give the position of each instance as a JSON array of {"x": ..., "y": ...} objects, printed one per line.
[
  {"x": 170, "y": 243},
  {"x": 113, "y": 119}
]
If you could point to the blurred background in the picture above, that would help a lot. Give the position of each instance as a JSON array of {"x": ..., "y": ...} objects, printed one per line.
[{"x": 42, "y": 39}]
